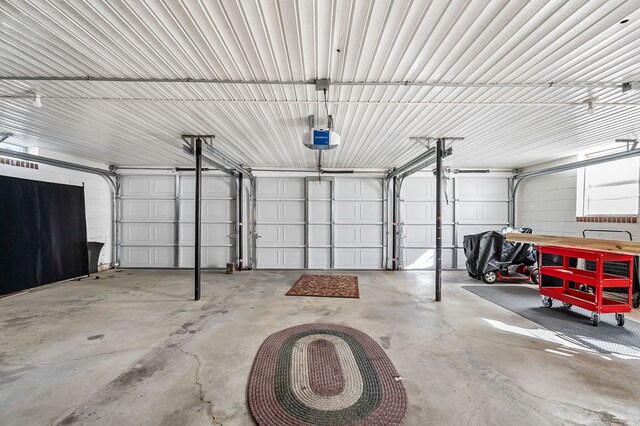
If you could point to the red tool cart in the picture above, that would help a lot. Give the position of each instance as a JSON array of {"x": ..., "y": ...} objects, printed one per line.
[{"x": 584, "y": 288}]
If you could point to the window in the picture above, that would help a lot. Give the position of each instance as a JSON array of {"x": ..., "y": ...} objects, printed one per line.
[
  {"x": 609, "y": 189},
  {"x": 12, "y": 147}
]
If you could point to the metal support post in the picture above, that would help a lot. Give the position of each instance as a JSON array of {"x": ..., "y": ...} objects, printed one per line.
[
  {"x": 176, "y": 222},
  {"x": 198, "y": 224},
  {"x": 253, "y": 224},
  {"x": 439, "y": 154},
  {"x": 394, "y": 222},
  {"x": 240, "y": 265},
  {"x": 454, "y": 206}
]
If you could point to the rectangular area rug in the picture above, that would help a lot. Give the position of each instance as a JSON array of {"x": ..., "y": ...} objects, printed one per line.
[{"x": 326, "y": 286}]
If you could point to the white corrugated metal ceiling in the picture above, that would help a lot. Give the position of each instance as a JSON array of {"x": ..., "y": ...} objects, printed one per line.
[{"x": 529, "y": 45}]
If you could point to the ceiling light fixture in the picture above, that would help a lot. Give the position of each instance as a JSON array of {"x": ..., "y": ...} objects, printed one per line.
[
  {"x": 632, "y": 85},
  {"x": 37, "y": 100}
]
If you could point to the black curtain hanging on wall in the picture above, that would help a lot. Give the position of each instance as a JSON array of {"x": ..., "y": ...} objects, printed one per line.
[{"x": 43, "y": 233}]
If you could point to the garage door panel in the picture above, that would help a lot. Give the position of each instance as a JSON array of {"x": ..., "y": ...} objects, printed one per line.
[
  {"x": 425, "y": 235},
  {"x": 352, "y": 189},
  {"x": 280, "y": 188},
  {"x": 147, "y": 210},
  {"x": 212, "y": 233},
  {"x": 319, "y": 258},
  {"x": 422, "y": 188},
  {"x": 358, "y": 235},
  {"x": 212, "y": 187},
  {"x": 211, "y": 211},
  {"x": 280, "y": 211},
  {"x": 145, "y": 257},
  {"x": 286, "y": 258},
  {"x": 319, "y": 235},
  {"x": 483, "y": 212},
  {"x": 319, "y": 211},
  {"x": 280, "y": 235},
  {"x": 426, "y": 258},
  {"x": 212, "y": 257},
  {"x": 357, "y": 258},
  {"x": 424, "y": 212},
  {"x": 482, "y": 189},
  {"x": 148, "y": 186},
  {"x": 318, "y": 190},
  {"x": 148, "y": 233},
  {"x": 358, "y": 211}
]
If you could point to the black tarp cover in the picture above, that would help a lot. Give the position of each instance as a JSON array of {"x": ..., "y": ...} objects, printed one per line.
[
  {"x": 43, "y": 233},
  {"x": 489, "y": 251}
]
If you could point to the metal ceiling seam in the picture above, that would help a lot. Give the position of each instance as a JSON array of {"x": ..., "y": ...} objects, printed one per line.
[
  {"x": 283, "y": 38},
  {"x": 298, "y": 32}
]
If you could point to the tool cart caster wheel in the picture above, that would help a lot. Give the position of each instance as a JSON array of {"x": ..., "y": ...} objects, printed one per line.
[
  {"x": 547, "y": 302},
  {"x": 490, "y": 277},
  {"x": 620, "y": 319},
  {"x": 535, "y": 277},
  {"x": 567, "y": 305},
  {"x": 636, "y": 300},
  {"x": 595, "y": 319}
]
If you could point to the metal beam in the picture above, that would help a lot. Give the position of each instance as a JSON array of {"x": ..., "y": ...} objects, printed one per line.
[
  {"x": 190, "y": 80},
  {"x": 4, "y": 136},
  {"x": 198, "y": 221},
  {"x": 439, "y": 157},
  {"x": 240, "y": 265},
  {"x": 422, "y": 158}
]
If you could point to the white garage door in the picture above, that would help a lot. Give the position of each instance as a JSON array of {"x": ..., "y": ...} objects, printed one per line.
[
  {"x": 306, "y": 223},
  {"x": 280, "y": 223},
  {"x": 418, "y": 229},
  {"x": 151, "y": 237},
  {"x": 359, "y": 224},
  {"x": 476, "y": 204}
]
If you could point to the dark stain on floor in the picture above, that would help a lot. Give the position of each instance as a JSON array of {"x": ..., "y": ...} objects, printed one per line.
[{"x": 95, "y": 337}]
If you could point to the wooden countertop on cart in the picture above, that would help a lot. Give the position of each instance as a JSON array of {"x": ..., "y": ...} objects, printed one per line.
[{"x": 613, "y": 246}]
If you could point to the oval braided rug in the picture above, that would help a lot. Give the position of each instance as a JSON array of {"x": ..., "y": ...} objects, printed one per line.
[{"x": 324, "y": 374}]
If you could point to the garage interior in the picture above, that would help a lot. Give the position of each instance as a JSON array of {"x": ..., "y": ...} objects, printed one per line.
[{"x": 183, "y": 142}]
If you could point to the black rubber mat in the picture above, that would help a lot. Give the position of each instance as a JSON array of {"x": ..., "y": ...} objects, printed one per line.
[{"x": 573, "y": 324}]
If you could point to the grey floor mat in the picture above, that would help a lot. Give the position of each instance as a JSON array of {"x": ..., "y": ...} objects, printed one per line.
[{"x": 574, "y": 324}]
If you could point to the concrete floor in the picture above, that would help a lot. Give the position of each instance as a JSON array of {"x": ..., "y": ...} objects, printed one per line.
[{"x": 132, "y": 348}]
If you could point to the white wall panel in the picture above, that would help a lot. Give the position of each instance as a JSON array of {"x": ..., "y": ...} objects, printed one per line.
[
  {"x": 148, "y": 186},
  {"x": 319, "y": 258},
  {"x": 414, "y": 258},
  {"x": 489, "y": 212}
]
